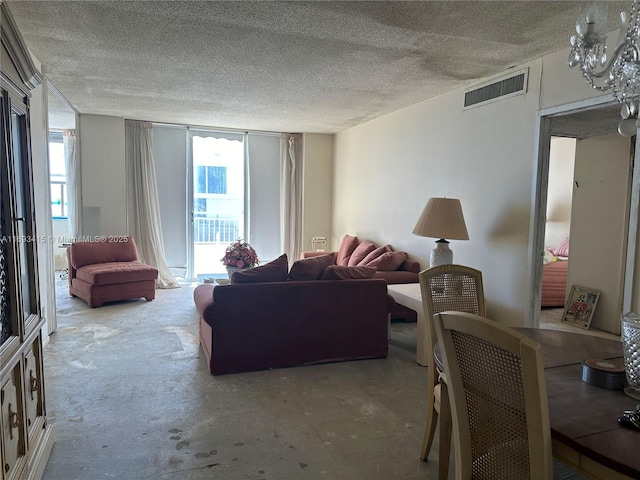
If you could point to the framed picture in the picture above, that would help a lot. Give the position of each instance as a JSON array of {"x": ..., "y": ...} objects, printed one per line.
[{"x": 580, "y": 306}]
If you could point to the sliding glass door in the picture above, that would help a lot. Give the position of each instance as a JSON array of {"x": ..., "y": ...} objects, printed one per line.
[{"x": 218, "y": 193}]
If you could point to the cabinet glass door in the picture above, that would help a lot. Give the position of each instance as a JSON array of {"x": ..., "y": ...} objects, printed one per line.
[
  {"x": 6, "y": 325},
  {"x": 24, "y": 237}
]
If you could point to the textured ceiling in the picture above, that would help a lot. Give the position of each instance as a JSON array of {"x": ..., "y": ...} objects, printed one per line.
[{"x": 316, "y": 66}]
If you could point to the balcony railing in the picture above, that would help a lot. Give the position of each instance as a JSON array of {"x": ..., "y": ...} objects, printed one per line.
[{"x": 215, "y": 230}]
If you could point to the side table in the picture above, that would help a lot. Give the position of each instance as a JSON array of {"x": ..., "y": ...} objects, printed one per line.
[{"x": 410, "y": 296}]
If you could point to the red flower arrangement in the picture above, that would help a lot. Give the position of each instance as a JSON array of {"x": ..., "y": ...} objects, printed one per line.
[{"x": 240, "y": 254}]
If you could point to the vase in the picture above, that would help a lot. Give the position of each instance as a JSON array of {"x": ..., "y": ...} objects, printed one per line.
[
  {"x": 230, "y": 270},
  {"x": 631, "y": 349}
]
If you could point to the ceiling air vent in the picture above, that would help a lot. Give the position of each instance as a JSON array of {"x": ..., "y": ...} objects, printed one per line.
[{"x": 497, "y": 89}]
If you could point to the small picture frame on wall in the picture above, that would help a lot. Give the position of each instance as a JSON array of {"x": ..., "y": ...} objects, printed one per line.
[{"x": 580, "y": 306}]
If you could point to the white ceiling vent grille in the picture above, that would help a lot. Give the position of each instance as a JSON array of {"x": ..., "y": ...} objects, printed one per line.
[{"x": 497, "y": 89}]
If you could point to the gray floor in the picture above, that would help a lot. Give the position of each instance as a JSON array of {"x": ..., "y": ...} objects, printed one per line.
[{"x": 129, "y": 397}]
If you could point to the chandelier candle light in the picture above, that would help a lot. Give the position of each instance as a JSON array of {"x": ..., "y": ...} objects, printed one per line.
[
  {"x": 442, "y": 218},
  {"x": 618, "y": 72}
]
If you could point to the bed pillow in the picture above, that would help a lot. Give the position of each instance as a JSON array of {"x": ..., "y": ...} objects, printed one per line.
[
  {"x": 361, "y": 251},
  {"x": 341, "y": 272},
  {"x": 310, "y": 268},
  {"x": 274, "y": 271},
  {"x": 562, "y": 250},
  {"x": 347, "y": 246},
  {"x": 548, "y": 257}
]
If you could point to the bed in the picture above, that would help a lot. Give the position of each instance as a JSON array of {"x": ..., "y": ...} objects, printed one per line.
[
  {"x": 554, "y": 284},
  {"x": 554, "y": 275}
]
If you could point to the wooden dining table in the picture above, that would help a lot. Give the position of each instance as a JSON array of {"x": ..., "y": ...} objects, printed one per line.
[
  {"x": 584, "y": 419},
  {"x": 585, "y": 432}
]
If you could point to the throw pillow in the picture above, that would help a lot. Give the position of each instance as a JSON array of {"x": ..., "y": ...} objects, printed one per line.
[
  {"x": 274, "y": 271},
  {"x": 347, "y": 246},
  {"x": 310, "y": 268},
  {"x": 389, "y": 261},
  {"x": 361, "y": 251},
  {"x": 375, "y": 254},
  {"x": 341, "y": 272}
]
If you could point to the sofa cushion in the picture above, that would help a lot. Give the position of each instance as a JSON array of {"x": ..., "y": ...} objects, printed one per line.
[
  {"x": 341, "y": 272},
  {"x": 375, "y": 253},
  {"x": 310, "y": 268},
  {"x": 274, "y": 271},
  {"x": 86, "y": 253},
  {"x": 361, "y": 251},
  {"x": 116, "y": 272},
  {"x": 388, "y": 261},
  {"x": 347, "y": 247}
]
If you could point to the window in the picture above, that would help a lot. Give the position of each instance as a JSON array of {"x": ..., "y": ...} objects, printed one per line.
[
  {"x": 211, "y": 179},
  {"x": 57, "y": 176}
]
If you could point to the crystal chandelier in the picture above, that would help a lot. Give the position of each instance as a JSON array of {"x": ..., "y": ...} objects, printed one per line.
[{"x": 618, "y": 72}]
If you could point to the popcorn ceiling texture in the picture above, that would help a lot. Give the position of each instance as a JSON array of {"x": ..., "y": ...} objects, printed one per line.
[{"x": 317, "y": 66}]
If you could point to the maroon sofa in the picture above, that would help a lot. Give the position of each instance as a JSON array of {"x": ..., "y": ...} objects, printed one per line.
[
  {"x": 392, "y": 266},
  {"x": 407, "y": 272},
  {"x": 109, "y": 270},
  {"x": 258, "y": 326},
  {"x": 395, "y": 269}
]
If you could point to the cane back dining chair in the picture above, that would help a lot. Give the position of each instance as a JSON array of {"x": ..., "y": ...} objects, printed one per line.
[
  {"x": 498, "y": 398},
  {"x": 445, "y": 287}
]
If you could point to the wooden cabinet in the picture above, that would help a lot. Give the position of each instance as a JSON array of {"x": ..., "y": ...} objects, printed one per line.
[{"x": 25, "y": 439}]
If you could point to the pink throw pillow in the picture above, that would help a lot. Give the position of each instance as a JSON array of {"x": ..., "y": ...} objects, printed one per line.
[
  {"x": 389, "y": 261},
  {"x": 361, "y": 251},
  {"x": 347, "y": 247},
  {"x": 562, "y": 250},
  {"x": 374, "y": 254},
  {"x": 310, "y": 268},
  {"x": 274, "y": 271},
  {"x": 341, "y": 272}
]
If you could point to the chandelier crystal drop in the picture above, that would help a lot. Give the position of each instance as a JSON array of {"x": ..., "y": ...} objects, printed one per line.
[{"x": 618, "y": 71}]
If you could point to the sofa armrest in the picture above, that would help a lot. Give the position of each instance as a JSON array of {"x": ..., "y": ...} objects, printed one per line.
[{"x": 397, "y": 276}]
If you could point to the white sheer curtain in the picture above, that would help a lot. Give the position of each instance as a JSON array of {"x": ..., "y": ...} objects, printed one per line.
[
  {"x": 143, "y": 212},
  {"x": 74, "y": 190},
  {"x": 291, "y": 197}
]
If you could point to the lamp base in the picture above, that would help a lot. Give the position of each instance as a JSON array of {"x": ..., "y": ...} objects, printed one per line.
[{"x": 442, "y": 254}]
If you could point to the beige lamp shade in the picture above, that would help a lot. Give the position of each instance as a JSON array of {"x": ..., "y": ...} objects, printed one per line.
[{"x": 442, "y": 218}]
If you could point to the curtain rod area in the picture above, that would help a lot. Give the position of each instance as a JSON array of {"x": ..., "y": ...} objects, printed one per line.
[{"x": 219, "y": 129}]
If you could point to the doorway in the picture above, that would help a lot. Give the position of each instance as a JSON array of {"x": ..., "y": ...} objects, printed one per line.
[{"x": 594, "y": 124}]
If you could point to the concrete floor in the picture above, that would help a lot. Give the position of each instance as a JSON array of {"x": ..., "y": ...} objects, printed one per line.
[{"x": 129, "y": 397}]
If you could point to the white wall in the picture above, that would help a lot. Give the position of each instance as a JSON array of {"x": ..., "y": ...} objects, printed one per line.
[
  {"x": 560, "y": 84},
  {"x": 386, "y": 169},
  {"x": 103, "y": 175},
  {"x": 317, "y": 190},
  {"x": 599, "y": 217},
  {"x": 559, "y": 190},
  {"x": 170, "y": 157},
  {"x": 264, "y": 195}
]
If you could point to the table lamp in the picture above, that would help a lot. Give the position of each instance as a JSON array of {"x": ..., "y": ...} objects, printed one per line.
[{"x": 442, "y": 218}]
